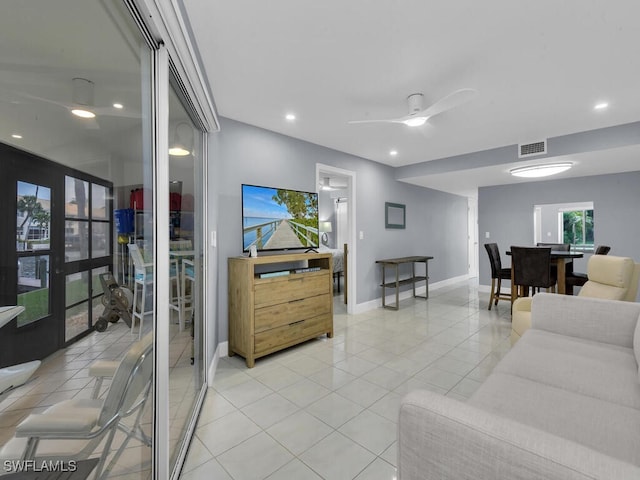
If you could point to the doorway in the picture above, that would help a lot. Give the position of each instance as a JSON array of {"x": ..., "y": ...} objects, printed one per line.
[{"x": 336, "y": 209}]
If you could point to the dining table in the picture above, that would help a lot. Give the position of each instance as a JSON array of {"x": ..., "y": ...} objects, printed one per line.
[{"x": 560, "y": 258}]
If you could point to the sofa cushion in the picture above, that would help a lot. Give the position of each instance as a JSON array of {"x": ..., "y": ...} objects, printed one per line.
[
  {"x": 604, "y": 371},
  {"x": 595, "y": 423}
]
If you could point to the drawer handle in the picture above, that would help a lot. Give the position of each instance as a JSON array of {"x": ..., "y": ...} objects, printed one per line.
[
  {"x": 296, "y": 301},
  {"x": 296, "y": 323}
]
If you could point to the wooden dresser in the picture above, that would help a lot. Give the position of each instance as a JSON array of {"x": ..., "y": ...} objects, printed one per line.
[{"x": 270, "y": 309}]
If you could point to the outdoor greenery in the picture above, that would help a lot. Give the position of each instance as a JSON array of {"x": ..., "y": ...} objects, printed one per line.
[
  {"x": 577, "y": 227},
  {"x": 303, "y": 207},
  {"x": 34, "y": 212}
]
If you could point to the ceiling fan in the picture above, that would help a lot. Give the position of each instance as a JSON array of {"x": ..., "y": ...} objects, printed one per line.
[
  {"x": 418, "y": 115},
  {"x": 82, "y": 104}
]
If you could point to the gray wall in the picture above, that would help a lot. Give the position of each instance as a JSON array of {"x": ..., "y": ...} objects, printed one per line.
[
  {"x": 506, "y": 212},
  {"x": 436, "y": 221}
]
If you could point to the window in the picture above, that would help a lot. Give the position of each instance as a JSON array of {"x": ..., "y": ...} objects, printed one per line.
[
  {"x": 571, "y": 223},
  {"x": 577, "y": 228}
]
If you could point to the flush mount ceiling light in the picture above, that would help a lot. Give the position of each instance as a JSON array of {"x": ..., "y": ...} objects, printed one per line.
[
  {"x": 393, "y": 153},
  {"x": 290, "y": 117},
  {"x": 16, "y": 135},
  {"x": 601, "y": 106},
  {"x": 543, "y": 170},
  {"x": 119, "y": 106}
]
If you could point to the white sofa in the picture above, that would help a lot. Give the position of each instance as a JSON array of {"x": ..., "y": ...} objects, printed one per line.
[{"x": 564, "y": 403}]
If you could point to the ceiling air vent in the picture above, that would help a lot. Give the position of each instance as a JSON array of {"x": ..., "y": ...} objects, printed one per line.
[{"x": 531, "y": 149}]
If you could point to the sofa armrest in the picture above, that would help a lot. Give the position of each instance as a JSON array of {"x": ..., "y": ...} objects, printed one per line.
[
  {"x": 440, "y": 437},
  {"x": 607, "y": 321}
]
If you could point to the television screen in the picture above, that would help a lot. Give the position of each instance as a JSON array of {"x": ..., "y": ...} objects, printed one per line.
[{"x": 278, "y": 218}]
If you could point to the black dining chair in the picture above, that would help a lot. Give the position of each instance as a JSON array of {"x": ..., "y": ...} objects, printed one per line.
[
  {"x": 558, "y": 247},
  {"x": 497, "y": 274},
  {"x": 532, "y": 269},
  {"x": 578, "y": 279}
]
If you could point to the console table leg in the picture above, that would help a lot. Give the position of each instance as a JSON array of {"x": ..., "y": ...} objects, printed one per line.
[
  {"x": 384, "y": 294},
  {"x": 413, "y": 276},
  {"x": 397, "y": 288}
]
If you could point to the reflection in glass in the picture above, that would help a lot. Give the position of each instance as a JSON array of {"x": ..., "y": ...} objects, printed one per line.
[
  {"x": 33, "y": 288},
  {"x": 99, "y": 202},
  {"x": 33, "y": 217},
  {"x": 186, "y": 364},
  {"x": 76, "y": 240},
  {"x": 76, "y": 198},
  {"x": 76, "y": 305},
  {"x": 99, "y": 239}
]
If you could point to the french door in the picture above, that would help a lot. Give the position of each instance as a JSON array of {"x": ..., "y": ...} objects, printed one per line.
[{"x": 54, "y": 243}]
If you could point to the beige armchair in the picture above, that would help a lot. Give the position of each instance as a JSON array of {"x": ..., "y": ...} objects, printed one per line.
[{"x": 610, "y": 277}]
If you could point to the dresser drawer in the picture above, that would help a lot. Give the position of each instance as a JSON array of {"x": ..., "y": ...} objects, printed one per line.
[
  {"x": 291, "y": 334},
  {"x": 291, "y": 288},
  {"x": 292, "y": 311}
]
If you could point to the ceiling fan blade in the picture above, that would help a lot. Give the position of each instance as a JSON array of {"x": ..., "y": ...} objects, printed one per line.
[
  {"x": 388, "y": 120},
  {"x": 447, "y": 103},
  {"x": 113, "y": 112},
  {"x": 41, "y": 99}
]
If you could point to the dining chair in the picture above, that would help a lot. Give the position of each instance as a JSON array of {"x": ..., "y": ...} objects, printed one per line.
[
  {"x": 143, "y": 278},
  {"x": 497, "y": 274},
  {"x": 578, "y": 279},
  {"x": 531, "y": 269},
  {"x": 558, "y": 247}
]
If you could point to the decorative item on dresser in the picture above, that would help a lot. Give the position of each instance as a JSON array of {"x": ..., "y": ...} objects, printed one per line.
[{"x": 268, "y": 313}]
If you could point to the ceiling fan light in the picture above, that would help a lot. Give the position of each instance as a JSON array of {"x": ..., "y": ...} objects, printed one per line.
[
  {"x": 178, "y": 151},
  {"x": 79, "y": 112},
  {"x": 415, "y": 121},
  {"x": 543, "y": 170}
]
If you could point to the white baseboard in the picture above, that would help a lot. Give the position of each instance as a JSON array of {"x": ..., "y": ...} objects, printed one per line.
[{"x": 221, "y": 351}]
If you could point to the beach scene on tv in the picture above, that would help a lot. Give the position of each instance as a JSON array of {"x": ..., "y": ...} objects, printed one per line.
[{"x": 279, "y": 219}]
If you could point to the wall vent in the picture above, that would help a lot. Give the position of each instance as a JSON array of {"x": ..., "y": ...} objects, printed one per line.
[{"x": 531, "y": 149}]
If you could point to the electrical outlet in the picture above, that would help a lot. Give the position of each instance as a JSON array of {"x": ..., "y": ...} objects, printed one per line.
[
  {"x": 486, "y": 235},
  {"x": 361, "y": 235}
]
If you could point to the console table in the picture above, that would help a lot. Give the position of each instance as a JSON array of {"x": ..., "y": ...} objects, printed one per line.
[{"x": 397, "y": 282}]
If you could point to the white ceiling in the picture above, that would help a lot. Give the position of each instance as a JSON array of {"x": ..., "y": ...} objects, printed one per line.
[{"x": 539, "y": 68}]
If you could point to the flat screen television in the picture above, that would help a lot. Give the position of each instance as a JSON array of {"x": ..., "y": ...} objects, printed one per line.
[{"x": 279, "y": 218}]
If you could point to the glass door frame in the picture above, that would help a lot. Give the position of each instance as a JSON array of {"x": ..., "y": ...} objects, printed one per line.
[{"x": 172, "y": 53}]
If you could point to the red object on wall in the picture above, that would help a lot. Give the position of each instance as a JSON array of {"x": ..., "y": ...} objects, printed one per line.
[
  {"x": 136, "y": 199},
  {"x": 175, "y": 201}
]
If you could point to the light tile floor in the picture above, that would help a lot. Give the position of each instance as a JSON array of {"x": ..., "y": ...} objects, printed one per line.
[
  {"x": 327, "y": 409},
  {"x": 65, "y": 375}
]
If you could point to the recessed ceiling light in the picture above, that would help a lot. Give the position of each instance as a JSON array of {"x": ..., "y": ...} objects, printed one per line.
[
  {"x": 543, "y": 170},
  {"x": 601, "y": 106},
  {"x": 393, "y": 153},
  {"x": 118, "y": 106},
  {"x": 415, "y": 121},
  {"x": 290, "y": 116},
  {"x": 16, "y": 135},
  {"x": 78, "y": 112}
]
